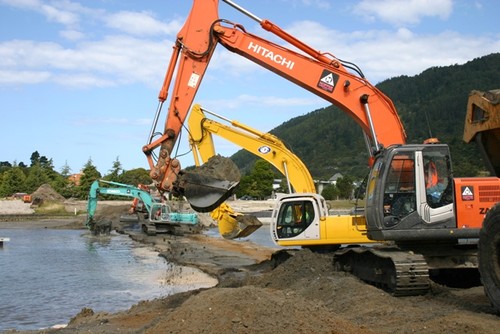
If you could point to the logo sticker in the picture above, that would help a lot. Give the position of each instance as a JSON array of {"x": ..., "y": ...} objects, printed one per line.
[
  {"x": 264, "y": 149},
  {"x": 467, "y": 193},
  {"x": 328, "y": 81},
  {"x": 193, "y": 80}
]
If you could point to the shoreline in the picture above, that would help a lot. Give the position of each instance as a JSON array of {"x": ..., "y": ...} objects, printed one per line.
[
  {"x": 73, "y": 223},
  {"x": 213, "y": 255}
]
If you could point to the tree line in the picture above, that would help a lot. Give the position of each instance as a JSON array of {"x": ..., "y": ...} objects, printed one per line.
[{"x": 22, "y": 178}]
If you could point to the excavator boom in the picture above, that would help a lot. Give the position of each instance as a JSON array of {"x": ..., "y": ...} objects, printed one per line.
[
  {"x": 263, "y": 145},
  {"x": 320, "y": 73}
]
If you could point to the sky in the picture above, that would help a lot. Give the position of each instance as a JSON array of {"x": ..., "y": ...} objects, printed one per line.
[{"x": 79, "y": 80}]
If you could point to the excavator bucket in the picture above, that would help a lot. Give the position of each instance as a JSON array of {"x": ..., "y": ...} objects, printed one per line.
[
  {"x": 205, "y": 193},
  {"x": 233, "y": 225},
  {"x": 100, "y": 227},
  {"x": 247, "y": 224},
  {"x": 208, "y": 186},
  {"x": 238, "y": 226}
]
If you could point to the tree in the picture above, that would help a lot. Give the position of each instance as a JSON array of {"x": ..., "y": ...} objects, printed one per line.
[
  {"x": 46, "y": 163},
  {"x": 12, "y": 182},
  {"x": 35, "y": 158},
  {"x": 36, "y": 177},
  {"x": 62, "y": 185},
  {"x": 259, "y": 183},
  {"x": 330, "y": 192},
  {"x": 345, "y": 187},
  {"x": 66, "y": 170},
  {"x": 4, "y": 166},
  {"x": 115, "y": 171},
  {"x": 135, "y": 177},
  {"x": 89, "y": 175},
  {"x": 42, "y": 160}
]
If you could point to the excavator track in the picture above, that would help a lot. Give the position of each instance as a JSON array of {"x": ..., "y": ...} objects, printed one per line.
[{"x": 398, "y": 272}]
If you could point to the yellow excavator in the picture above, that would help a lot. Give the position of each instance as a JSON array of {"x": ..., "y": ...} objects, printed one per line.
[{"x": 337, "y": 229}]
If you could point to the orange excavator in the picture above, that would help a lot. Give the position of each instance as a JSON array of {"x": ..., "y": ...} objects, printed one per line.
[
  {"x": 320, "y": 73},
  {"x": 421, "y": 229}
]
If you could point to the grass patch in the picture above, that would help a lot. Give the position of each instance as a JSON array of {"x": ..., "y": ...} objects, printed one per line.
[
  {"x": 52, "y": 208},
  {"x": 345, "y": 204}
]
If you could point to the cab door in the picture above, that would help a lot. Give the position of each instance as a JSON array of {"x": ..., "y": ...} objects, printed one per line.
[
  {"x": 435, "y": 190},
  {"x": 298, "y": 218}
]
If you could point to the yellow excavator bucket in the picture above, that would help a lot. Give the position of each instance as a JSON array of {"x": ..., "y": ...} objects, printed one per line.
[{"x": 234, "y": 225}]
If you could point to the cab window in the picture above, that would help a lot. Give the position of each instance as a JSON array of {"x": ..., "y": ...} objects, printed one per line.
[
  {"x": 399, "y": 193},
  {"x": 294, "y": 217},
  {"x": 437, "y": 176}
]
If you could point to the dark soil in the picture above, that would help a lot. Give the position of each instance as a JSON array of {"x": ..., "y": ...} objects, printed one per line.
[{"x": 265, "y": 290}]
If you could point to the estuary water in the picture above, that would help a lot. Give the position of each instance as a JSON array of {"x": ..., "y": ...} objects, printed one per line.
[{"x": 47, "y": 276}]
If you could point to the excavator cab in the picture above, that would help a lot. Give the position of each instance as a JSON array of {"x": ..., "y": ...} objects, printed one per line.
[
  {"x": 410, "y": 192},
  {"x": 303, "y": 219},
  {"x": 295, "y": 217}
]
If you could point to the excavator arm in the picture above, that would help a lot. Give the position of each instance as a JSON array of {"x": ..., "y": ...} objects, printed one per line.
[
  {"x": 320, "y": 73},
  {"x": 160, "y": 216},
  {"x": 97, "y": 187},
  {"x": 234, "y": 224},
  {"x": 263, "y": 145}
]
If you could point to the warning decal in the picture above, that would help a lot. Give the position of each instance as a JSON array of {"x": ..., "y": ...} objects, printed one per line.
[
  {"x": 328, "y": 81},
  {"x": 193, "y": 80},
  {"x": 467, "y": 193}
]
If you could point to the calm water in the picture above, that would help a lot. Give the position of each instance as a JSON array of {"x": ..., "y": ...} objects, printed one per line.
[{"x": 48, "y": 276}]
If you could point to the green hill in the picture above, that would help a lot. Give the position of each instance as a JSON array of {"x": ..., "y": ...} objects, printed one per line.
[{"x": 432, "y": 103}]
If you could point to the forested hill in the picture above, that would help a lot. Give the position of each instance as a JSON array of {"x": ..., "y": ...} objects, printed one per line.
[{"x": 328, "y": 141}]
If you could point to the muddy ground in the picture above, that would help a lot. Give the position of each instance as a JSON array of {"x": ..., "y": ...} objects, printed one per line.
[{"x": 264, "y": 290}]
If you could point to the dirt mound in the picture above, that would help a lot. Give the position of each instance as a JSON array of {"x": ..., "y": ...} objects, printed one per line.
[
  {"x": 443, "y": 310},
  {"x": 252, "y": 310},
  {"x": 219, "y": 167},
  {"x": 298, "y": 291},
  {"x": 46, "y": 193}
]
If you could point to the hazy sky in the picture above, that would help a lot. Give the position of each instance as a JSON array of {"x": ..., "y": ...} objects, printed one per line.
[{"x": 80, "y": 79}]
